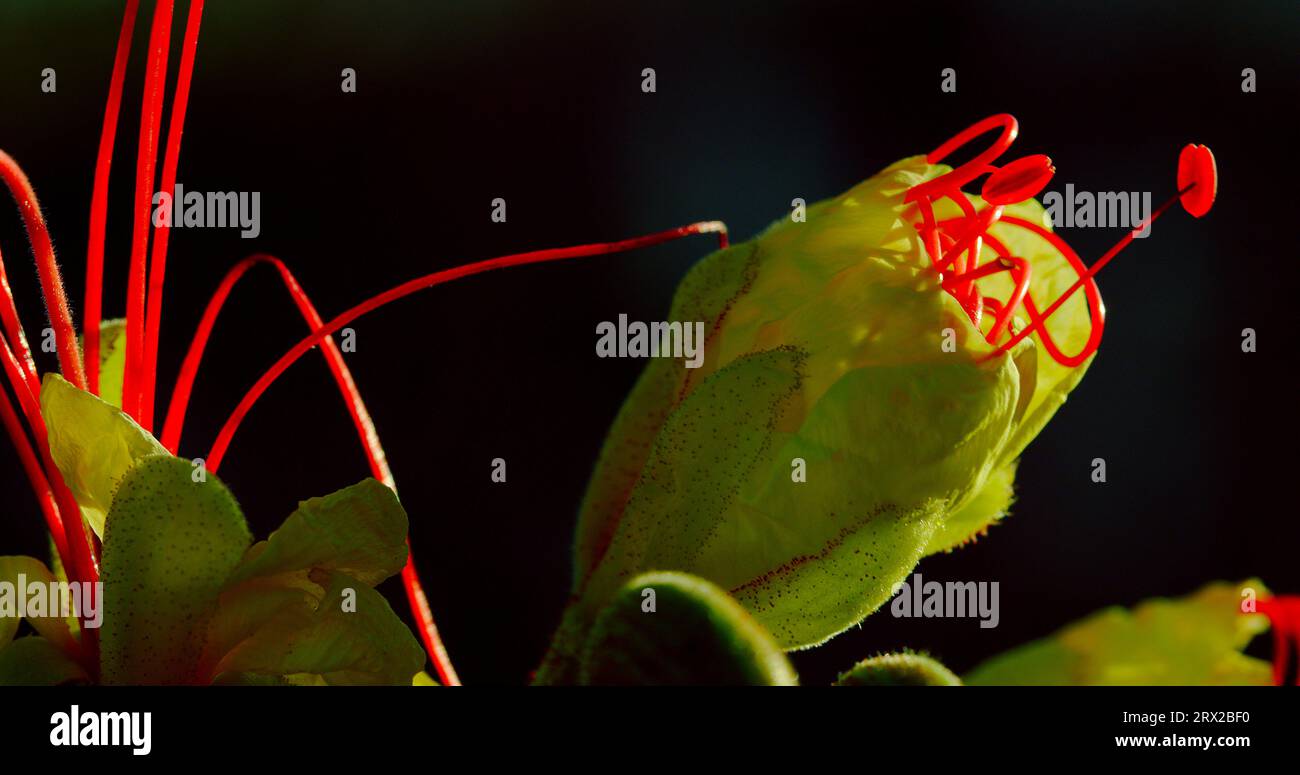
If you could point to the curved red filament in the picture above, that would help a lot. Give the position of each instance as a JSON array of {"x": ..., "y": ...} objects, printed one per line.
[
  {"x": 1283, "y": 613},
  {"x": 953, "y": 246}
]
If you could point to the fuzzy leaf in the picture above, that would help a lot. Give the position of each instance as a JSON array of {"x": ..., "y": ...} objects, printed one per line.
[
  {"x": 990, "y": 504},
  {"x": 1195, "y": 640},
  {"x": 909, "y": 444},
  {"x": 171, "y": 543},
  {"x": 335, "y": 628},
  {"x": 93, "y": 443},
  {"x": 34, "y": 661},
  {"x": 899, "y": 670},
  {"x": 112, "y": 360},
  {"x": 696, "y": 634},
  {"x": 300, "y": 604},
  {"x": 359, "y": 530},
  {"x": 16, "y": 571}
]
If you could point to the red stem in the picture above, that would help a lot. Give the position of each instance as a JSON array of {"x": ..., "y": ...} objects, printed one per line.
[
  {"x": 429, "y": 281},
  {"x": 40, "y": 485},
  {"x": 150, "y": 121},
  {"x": 13, "y": 329},
  {"x": 361, "y": 420},
  {"x": 56, "y": 300},
  {"x": 158, "y": 259},
  {"x": 99, "y": 200}
]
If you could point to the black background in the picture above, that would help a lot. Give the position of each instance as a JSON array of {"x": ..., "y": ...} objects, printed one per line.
[{"x": 540, "y": 103}]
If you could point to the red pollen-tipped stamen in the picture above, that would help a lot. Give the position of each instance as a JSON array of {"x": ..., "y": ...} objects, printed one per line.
[
  {"x": 955, "y": 244},
  {"x": 158, "y": 258},
  {"x": 150, "y": 123},
  {"x": 429, "y": 281},
  {"x": 99, "y": 199}
]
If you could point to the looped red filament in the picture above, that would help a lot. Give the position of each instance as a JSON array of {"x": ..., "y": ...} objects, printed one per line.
[{"x": 954, "y": 245}]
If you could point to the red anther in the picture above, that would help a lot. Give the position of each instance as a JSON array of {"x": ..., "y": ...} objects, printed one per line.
[
  {"x": 1019, "y": 180},
  {"x": 1198, "y": 179},
  {"x": 953, "y": 245}
]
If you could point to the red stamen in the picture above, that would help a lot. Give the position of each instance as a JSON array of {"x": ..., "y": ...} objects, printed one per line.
[
  {"x": 410, "y": 577},
  {"x": 56, "y": 300},
  {"x": 429, "y": 281},
  {"x": 150, "y": 121},
  {"x": 13, "y": 329},
  {"x": 361, "y": 420},
  {"x": 1010, "y": 184},
  {"x": 158, "y": 260},
  {"x": 99, "y": 200},
  {"x": 35, "y": 476}
]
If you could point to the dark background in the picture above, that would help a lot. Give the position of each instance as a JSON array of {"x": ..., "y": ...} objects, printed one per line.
[{"x": 540, "y": 103}]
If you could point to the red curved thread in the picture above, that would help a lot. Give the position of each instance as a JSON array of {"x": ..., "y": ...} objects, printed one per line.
[
  {"x": 1085, "y": 281},
  {"x": 84, "y": 565},
  {"x": 158, "y": 259},
  {"x": 1283, "y": 613},
  {"x": 56, "y": 300},
  {"x": 179, "y": 404},
  {"x": 1003, "y": 312},
  {"x": 13, "y": 329},
  {"x": 1096, "y": 310},
  {"x": 150, "y": 122},
  {"x": 419, "y": 604},
  {"x": 410, "y": 578},
  {"x": 35, "y": 475},
  {"x": 953, "y": 181},
  {"x": 99, "y": 199},
  {"x": 361, "y": 420},
  {"x": 428, "y": 281}
]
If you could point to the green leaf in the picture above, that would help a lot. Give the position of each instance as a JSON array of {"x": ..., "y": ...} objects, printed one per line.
[
  {"x": 17, "y": 572},
  {"x": 34, "y": 661},
  {"x": 300, "y": 604},
  {"x": 424, "y": 679},
  {"x": 989, "y": 504},
  {"x": 359, "y": 530},
  {"x": 695, "y": 634},
  {"x": 1196, "y": 640},
  {"x": 707, "y": 291},
  {"x": 826, "y": 346},
  {"x": 170, "y": 545},
  {"x": 905, "y": 669},
  {"x": 61, "y": 575},
  {"x": 334, "y": 628},
  {"x": 112, "y": 360},
  {"x": 93, "y": 444}
]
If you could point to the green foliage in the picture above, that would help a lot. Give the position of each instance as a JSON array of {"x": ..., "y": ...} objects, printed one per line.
[
  {"x": 53, "y": 627},
  {"x": 112, "y": 360},
  {"x": 827, "y": 346},
  {"x": 905, "y": 669},
  {"x": 1196, "y": 640},
  {"x": 170, "y": 544},
  {"x": 359, "y": 530},
  {"x": 676, "y": 629},
  {"x": 35, "y": 661},
  {"x": 93, "y": 443},
  {"x": 188, "y": 600}
]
